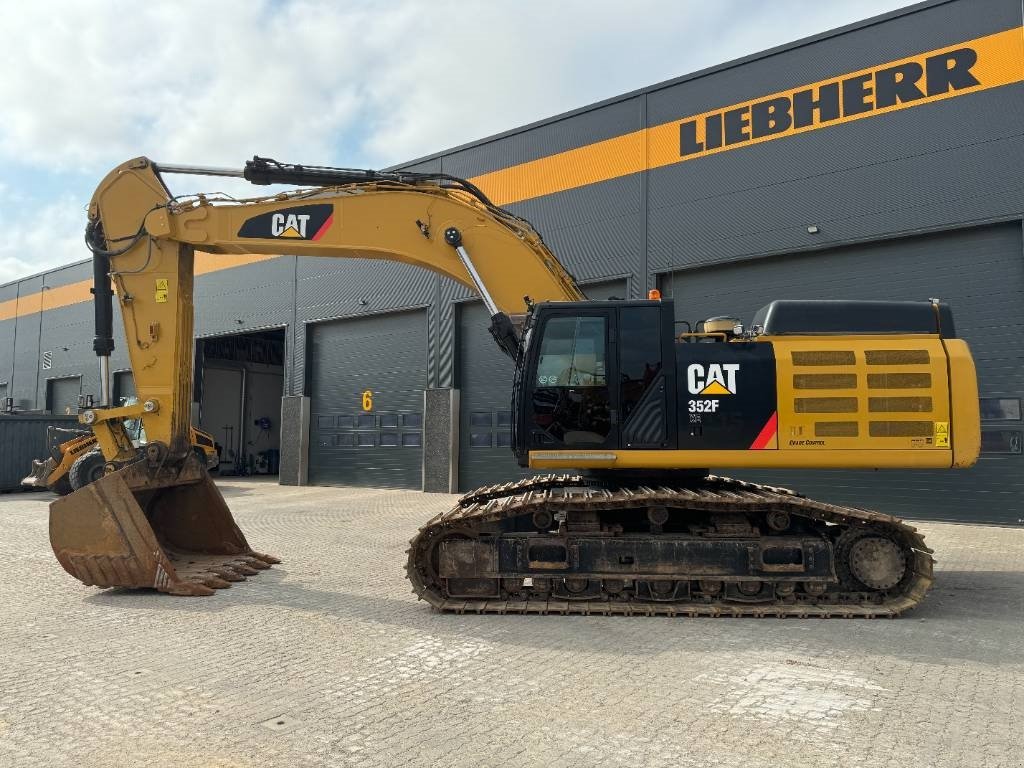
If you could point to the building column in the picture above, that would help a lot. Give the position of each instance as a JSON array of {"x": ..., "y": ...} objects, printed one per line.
[
  {"x": 294, "y": 469},
  {"x": 441, "y": 440}
]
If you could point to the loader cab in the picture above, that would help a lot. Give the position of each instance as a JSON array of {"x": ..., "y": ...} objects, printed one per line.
[{"x": 596, "y": 375}]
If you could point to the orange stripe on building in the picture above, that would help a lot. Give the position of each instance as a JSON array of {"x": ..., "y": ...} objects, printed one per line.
[
  {"x": 1000, "y": 61},
  {"x": 78, "y": 293}
]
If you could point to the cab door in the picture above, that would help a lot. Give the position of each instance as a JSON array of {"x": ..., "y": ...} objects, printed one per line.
[{"x": 569, "y": 395}]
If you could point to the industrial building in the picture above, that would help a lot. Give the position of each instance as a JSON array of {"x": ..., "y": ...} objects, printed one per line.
[{"x": 881, "y": 160}]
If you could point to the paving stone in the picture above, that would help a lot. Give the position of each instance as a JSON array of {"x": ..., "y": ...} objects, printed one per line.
[{"x": 333, "y": 645}]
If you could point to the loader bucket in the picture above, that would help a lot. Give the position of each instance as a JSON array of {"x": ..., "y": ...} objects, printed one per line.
[
  {"x": 145, "y": 528},
  {"x": 40, "y": 473}
]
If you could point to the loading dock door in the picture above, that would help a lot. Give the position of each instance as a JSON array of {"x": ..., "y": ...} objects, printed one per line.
[
  {"x": 980, "y": 273},
  {"x": 485, "y": 383},
  {"x": 367, "y": 378},
  {"x": 62, "y": 395}
]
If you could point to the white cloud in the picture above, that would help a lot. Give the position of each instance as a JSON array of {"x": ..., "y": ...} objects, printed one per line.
[
  {"x": 89, "y": 85},
  {"x": 51, "y": 236}
]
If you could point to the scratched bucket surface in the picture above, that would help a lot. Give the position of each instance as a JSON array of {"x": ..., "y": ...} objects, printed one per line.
[{"x": 178, "y": 538}]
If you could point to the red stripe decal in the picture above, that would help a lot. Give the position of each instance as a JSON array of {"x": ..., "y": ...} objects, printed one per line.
[
  {"x": 324, "y": 227},
  {"x": 767, "y": 433}
]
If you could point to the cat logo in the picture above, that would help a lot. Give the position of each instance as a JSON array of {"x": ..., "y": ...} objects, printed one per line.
[
  {"x": 288, "y": 225},
  {"x": 712, "y": 379},
  {"x": 301, "y": 222}
]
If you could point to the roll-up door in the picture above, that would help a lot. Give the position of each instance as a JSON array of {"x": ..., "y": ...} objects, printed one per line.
[
  {"x": 62, "y": 394},
  {"x": 367, "y": 377}
]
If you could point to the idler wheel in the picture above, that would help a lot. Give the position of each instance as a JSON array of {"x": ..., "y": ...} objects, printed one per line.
[{"x": 877, "y": 562}]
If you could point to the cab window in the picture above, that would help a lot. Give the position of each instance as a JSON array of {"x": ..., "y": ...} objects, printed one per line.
[{"x": 572, "y": 353}]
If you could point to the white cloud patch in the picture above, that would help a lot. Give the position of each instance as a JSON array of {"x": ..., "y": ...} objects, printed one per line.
[
  {"x": 49, "y": 237},
  {"x": 89, "y": 85}
]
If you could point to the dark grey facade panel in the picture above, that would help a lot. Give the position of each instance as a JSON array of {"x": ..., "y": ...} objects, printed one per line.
[
  {"x": 382, "y": 446},
  {"x": 8, "y": 328},
  {"x": 427, "y": 166},
  {"x": 25, "y": 384},
  {"x": 583, "y": 206},
  {"x": 256, "y": 295},
  {"x": 596, "y": 231},
  {"x": 980, "y": 272},
  {"x": 873, "y": 145},
  {"x": 569, "y": 132},
  {"x": 71, "y": 273},
  {"x": 724, "y": 207},
  {"x": 335, "y": 288},
  {"x": 924, "y": 30},
  {"x": 345, "y": 287}
]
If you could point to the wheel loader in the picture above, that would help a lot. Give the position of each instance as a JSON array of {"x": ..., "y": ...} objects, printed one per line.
[
  {"x": 621, "y": 409},
  {"x": 76, "y": 461}
]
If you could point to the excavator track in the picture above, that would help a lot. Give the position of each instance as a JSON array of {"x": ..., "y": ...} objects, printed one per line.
[{"x": 877, "y": 566}]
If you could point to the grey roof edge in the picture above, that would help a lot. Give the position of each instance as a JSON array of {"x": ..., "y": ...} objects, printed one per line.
[
  {"x": 743, "y": 60},
  {"x": 46, "y": 272}
]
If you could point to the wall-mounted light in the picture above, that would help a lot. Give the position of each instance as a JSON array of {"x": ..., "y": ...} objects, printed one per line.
[{"x": 813, "y": 229}]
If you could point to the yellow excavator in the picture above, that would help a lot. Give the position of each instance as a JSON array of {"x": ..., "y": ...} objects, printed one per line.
[{"x": 622, "y": 407}]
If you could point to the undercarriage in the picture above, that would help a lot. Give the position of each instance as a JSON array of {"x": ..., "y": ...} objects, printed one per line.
[{"x": 708, "y": 547}]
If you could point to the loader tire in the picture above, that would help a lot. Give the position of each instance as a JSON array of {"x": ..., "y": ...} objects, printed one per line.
[
  {"x": 86, "y": 469},
  {"x": 62, "y": 487}
]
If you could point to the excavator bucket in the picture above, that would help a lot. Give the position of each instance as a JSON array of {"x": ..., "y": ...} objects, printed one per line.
[{"x": 145, "y": 527}]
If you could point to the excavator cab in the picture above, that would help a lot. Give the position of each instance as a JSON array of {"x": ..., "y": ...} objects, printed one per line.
[{"x": 593, "y": 376}]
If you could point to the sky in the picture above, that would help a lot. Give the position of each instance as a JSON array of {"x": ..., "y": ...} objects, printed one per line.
[{"x": 353, "y": 83}]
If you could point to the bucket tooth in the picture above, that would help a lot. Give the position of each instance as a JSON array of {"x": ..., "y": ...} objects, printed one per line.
[
  {"x": 189, "y": 589},
  {"x": 228, "y": 573},
  {"x": 216, "y": 583},
  {"x": 172, "y": 532}
]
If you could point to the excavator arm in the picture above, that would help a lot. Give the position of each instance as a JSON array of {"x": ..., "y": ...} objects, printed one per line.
[
  {"x": 145, "y": 239},
  {"x": 156, "y": 519}
]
